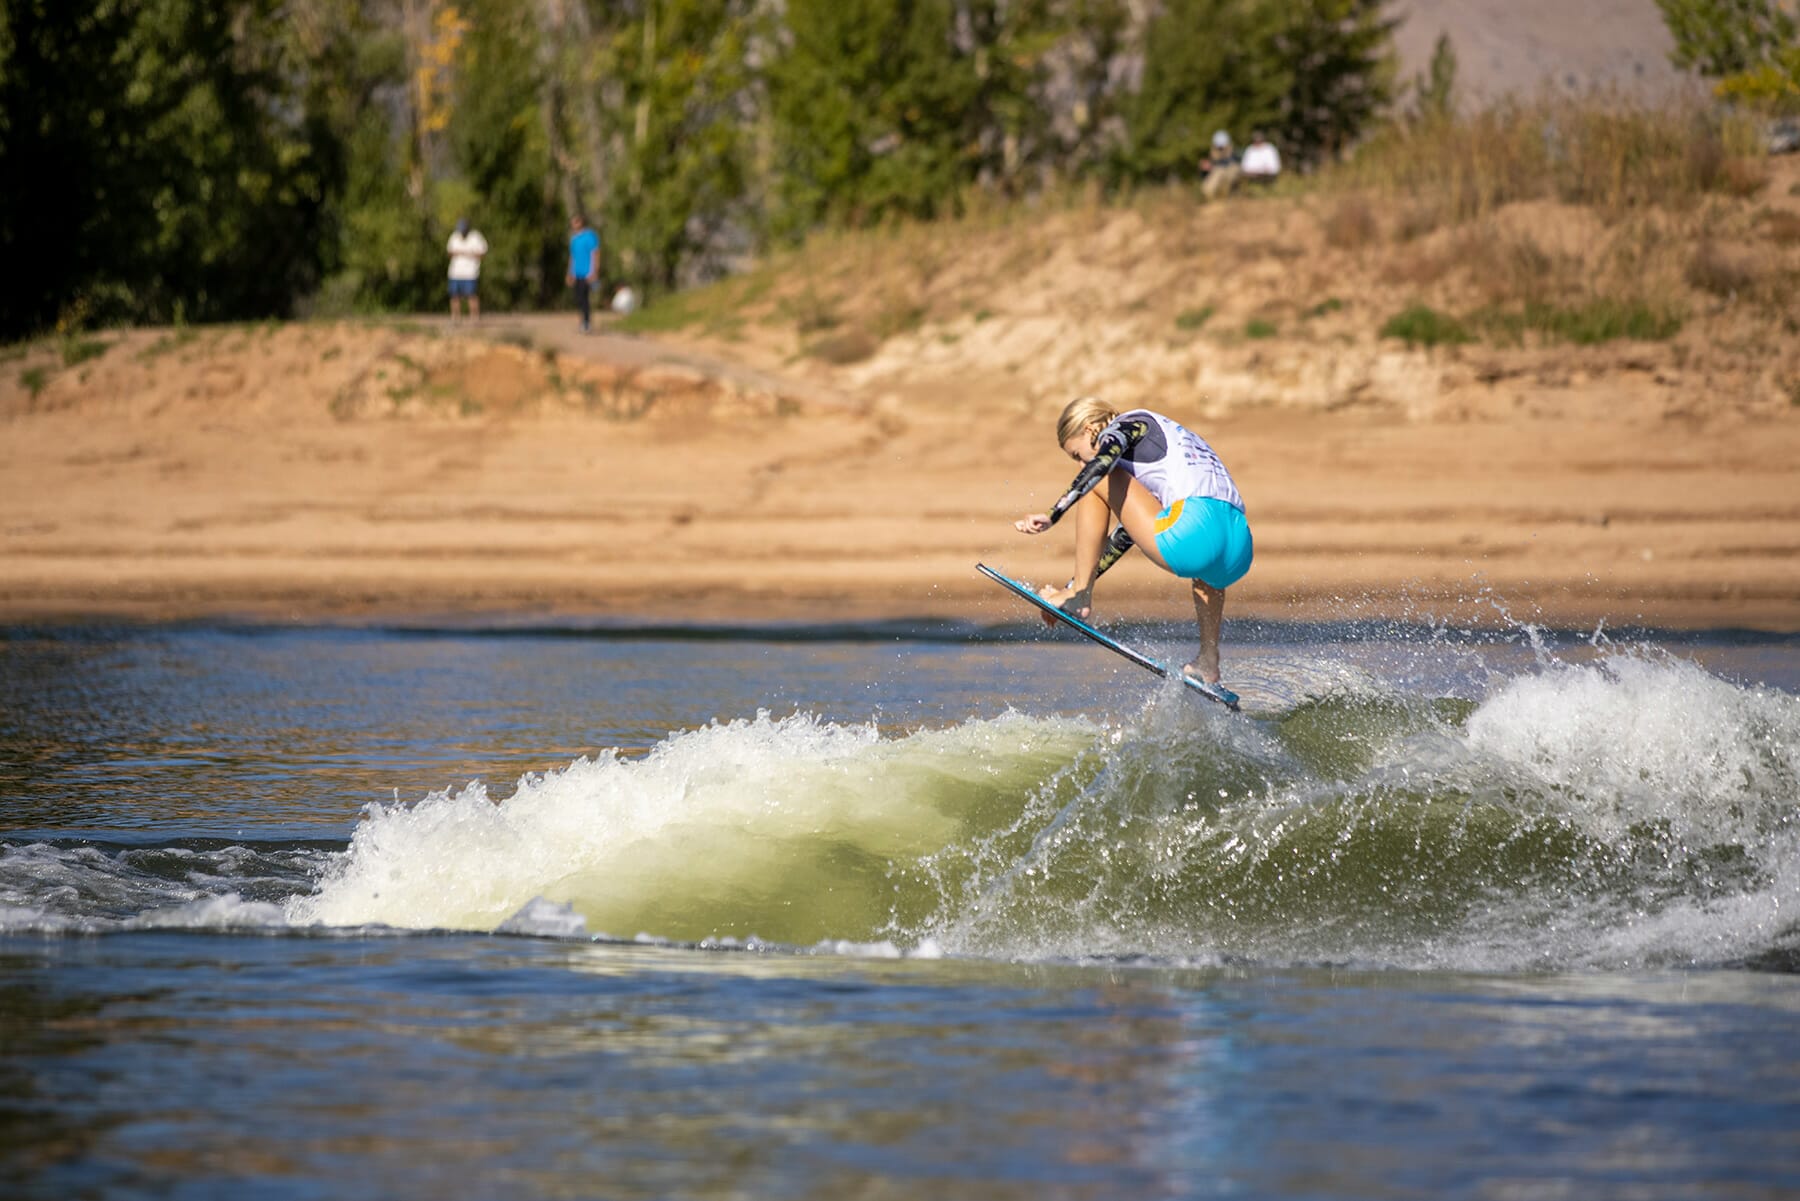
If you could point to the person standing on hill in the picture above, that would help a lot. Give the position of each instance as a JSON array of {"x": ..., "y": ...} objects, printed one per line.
[
  {"x": 584, "y": 264},
  {"x": 466, "y": 249},
  {"x": 1262, "y": 162}
]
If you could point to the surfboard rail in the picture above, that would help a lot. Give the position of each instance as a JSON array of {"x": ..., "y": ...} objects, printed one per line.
[{"x": 1211, "y": 692}]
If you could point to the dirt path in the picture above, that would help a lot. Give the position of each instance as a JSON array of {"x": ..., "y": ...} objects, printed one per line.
[{"x": 604, "y": 344}]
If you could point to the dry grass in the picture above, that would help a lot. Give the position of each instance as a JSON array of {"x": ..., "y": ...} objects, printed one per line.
[
  {"x": 1781, "y": 226},
  {"x": 1417, "y": 220},
  {"x": 1417, "y": 269},
  {"x": 1351, "y": 224},
  {"x": 1554, "y": 223},
  {"x": 1723, "y": 273},
  {"x": 844, "y": 347},
  {"x": 1613, "y": 157}
]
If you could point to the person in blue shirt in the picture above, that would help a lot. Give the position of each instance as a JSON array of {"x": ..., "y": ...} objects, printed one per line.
[{"x": 584, "y": 264}]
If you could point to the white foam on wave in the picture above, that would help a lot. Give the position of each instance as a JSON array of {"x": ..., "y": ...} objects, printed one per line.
[
  {"x": 1648, "y": 742},
  {"x": 45, "y": 888},
  {"x": 228, "y": 912},
  {"x": 30, "y": 920},
  {"x": 765, "y": 821},
  {"x": 1636, "y": 738}
]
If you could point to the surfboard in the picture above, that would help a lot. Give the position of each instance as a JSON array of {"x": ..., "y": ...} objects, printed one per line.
[{"x": 1211, "y": 692}]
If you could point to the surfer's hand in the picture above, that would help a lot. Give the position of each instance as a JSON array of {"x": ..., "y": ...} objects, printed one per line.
[
  {"x": 1079, "y": 601},
  {"x": 1033, "y": 523}
]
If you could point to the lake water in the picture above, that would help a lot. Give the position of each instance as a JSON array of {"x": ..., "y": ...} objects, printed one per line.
[{"x": 901, "y": 912}]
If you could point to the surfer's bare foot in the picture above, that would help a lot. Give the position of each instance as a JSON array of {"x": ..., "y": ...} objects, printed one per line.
[
  {"x": 1197, "y": 670},
  {"x": 1078, "y": 601}
]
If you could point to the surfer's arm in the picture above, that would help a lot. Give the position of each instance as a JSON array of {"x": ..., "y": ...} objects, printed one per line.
[{"x": 1112, "y": 445}]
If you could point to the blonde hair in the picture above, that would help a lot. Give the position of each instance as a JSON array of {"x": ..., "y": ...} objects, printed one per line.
[{"x": 1081, "y": 413}]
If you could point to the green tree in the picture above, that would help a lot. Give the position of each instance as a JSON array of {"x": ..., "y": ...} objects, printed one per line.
[
  {"x": 1312, "y": 73},
  {"x": 170, "y": 172},
  {"x": 1340, "y": 56},
  {"x": 1077, "y": 90},
  {"x": 1722, "y": 38},
  {"x": 1749, "y": 47},
  {"x": 62, "y": 128},
  {"x": 1208, "y": 65},
  {"x": 872, "y": 105},
  {"x": 385, "y": 245},
  {"x": 510, "y": 184},
  {"x": 679, "y": 108},
  {"x": 1434, "y": 89}
]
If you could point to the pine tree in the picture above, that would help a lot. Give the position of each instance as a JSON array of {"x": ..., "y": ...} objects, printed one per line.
[
  {"x": 1311, "y": 73},
  {"x": 1209, "y": 65},
  {"x": 1340, "y": 56},
  {"x": 1434, "y": 89},
  {"x": 871, "y": 104}
]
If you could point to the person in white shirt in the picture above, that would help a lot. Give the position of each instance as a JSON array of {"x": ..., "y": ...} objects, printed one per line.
[
  {"x": 1261, "y": 162},
  {"x": 466, "y": 249}
]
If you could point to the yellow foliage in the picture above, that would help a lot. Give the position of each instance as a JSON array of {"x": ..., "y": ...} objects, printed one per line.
[
  {"x": 437, "y": 66},
  {"x": 1773, "y": 85}
]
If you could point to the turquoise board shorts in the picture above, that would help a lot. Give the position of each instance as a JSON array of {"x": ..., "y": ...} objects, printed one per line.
[{"x": 1205, "y": 539}]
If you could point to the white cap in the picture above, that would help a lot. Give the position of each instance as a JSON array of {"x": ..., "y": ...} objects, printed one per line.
[{"x": 1221, "y": 138}]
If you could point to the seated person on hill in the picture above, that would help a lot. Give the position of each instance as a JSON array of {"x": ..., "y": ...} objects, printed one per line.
[
  {"x": 1219, "y": 169},
  {"x": 1262, "y": 162}
]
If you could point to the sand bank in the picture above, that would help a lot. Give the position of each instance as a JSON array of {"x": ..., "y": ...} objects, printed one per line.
[{"x": 404, "y": 473}]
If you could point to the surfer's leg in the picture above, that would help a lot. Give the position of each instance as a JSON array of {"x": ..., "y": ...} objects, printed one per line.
[
  {"x": 1116, "y": 548},
  {"x": 1136, "y": 509},
  {"x": 1209, "y": 613},
  {"x": 1092, "y": 518}
]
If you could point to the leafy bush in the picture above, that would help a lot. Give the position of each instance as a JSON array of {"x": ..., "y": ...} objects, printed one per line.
[{"x": 1189, "y": 320}]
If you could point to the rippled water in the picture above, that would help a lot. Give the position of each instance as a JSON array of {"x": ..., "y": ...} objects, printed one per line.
[{"x": 909, "y": 912}]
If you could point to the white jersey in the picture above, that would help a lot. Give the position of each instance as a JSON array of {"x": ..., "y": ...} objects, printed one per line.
[{"x": 1169, "y": 459}]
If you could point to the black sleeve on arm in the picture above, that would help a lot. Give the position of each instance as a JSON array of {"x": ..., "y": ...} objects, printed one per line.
[{"x": 1112, "y": 445}]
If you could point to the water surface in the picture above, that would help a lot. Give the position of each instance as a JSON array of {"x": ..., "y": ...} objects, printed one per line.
[{"x": 933, "y": 912}]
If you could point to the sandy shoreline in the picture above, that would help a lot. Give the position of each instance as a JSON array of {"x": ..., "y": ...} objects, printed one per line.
[{"x": 241, "y": 484}]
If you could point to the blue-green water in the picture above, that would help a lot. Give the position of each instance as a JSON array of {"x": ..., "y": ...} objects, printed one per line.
[{"x": 904, "y": 913}]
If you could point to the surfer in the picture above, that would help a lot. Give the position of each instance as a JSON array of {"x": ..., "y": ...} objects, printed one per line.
[{"x": 1174, "y": 500}]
